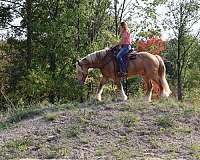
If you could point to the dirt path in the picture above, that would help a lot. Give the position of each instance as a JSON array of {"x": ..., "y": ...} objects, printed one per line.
[{"x": 112, "y": 131}]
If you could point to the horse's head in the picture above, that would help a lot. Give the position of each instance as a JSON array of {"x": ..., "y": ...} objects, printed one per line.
[{"x": 81, "y": 71}]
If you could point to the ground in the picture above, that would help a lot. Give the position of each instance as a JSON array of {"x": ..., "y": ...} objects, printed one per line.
[{"x": 163, "y": 129}]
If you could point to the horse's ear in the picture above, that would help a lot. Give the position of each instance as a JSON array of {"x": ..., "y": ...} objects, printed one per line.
[{"x": 78, "y": 62}]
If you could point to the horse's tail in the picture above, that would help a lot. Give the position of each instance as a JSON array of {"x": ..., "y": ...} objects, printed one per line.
[{"x": 162, "y": 74}]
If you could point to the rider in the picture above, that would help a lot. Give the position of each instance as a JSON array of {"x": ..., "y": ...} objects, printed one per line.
[{"x": 125, "y": 43}]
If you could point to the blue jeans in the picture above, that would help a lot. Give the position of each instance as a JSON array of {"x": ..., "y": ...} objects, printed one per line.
[{"x": 123, "y": 51}]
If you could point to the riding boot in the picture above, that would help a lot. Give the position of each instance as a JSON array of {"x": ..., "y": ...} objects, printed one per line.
[{"x": 122, "y": 74}]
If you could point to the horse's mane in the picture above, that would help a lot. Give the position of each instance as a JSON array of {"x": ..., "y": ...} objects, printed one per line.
[{"x": 92, "y": 56}]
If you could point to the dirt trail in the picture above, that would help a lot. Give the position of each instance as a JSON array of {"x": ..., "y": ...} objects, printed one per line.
[{"x": 107, "y": 131}]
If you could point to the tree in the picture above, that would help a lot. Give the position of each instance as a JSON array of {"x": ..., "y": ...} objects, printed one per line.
[
  {"x": 181, "y": 17},
  {"x": 57, "y": 32},
  {"x": 154, "y": 45},
  {"x": 29, "y": 33}
]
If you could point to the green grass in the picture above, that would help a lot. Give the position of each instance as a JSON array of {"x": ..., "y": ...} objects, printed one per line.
[
  {"x": 99, "y": 152},
  {"x": 84, "y": 139},
  {"x": 51, "y": 116},
  {"x": 16, "y": 147},
  {"x": 184, "y": 130},
  {"x": 128, "y": 119},
  {"x": 155, "y": 125},
  {"x": 154, "y": 143},
  {"x": 19, "y": 114},
  {"x": 24, "y": 113},
  {"x": 4, "y": 125},
  {"x": 103, "y": 125},
  {"x": 73, "y": 130},
  {"x": 164, "y": 121},
  {"x": 122, "y": 154},
  {"x": 196, "y": 151}
]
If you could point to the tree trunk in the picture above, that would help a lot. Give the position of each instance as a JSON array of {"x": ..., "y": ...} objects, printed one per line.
[
  {"x": 78, "y": 43},
  {"x": 29, "y": 32},
  {"x": 179, "y": 83},
  {"x": 52, "y": 58},
  {"x": 116, "y": 18},
  {"x": 179, "y": 80}
]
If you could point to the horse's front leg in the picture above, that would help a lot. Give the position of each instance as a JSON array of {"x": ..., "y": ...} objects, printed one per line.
[
  {"x": 121, "y": 88},
  {"x": 100, "y": 88}
]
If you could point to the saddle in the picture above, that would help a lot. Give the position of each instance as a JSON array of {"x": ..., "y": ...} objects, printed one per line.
[
  {"x": 130, "y": 56},
  {"x": 112, "y": 54}
]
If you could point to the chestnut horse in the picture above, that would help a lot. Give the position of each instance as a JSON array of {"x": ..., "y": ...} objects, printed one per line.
[{"x": 150, "y": 67}]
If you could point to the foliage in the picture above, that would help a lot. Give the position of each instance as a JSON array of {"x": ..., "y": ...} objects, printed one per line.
[
  {"x": 39, "y": 54},
  {"x": 61, "y": 33},
  {"x": 154, "y": 45},
  {"x": 181, "y": 18}
]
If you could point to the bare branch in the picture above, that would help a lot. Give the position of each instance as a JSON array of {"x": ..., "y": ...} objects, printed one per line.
[{"x": 120, "y": 18}]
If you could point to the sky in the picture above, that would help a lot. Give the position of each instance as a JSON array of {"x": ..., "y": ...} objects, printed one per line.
[
  {"x": 161, "y": 10},
  {"x": 166, "y": 34}
]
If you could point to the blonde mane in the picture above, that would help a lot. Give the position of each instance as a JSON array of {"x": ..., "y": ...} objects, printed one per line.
[{"x": 92, "y": 56}]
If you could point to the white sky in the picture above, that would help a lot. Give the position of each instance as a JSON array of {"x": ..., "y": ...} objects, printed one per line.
[
  {"x": 161, "y": 10},
  {"x": 166, "y": 34}
]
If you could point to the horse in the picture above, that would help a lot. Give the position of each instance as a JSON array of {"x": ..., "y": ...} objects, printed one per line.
[{"x": 150, "y": 67}]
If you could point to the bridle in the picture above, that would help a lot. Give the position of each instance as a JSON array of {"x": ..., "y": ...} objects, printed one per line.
[
  {"x": 83, "y": 76},
  {"x": 109, "y": 56}
]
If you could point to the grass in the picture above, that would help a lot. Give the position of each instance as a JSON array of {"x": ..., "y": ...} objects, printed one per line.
[
  {"x": 103, "y": 125},
  {"x": 154, "y": 143},
  {"x": 73, "y": 130},
  {"x": 4, "y": 125},
  {"x": 183, "y": 130},
  {"x": 103, "y": 130},
  {"x": 24, "y": 113},
  {"x": 19, "y": 145},
  {"x": 16, "y": 147},
  {"x": 128, "y": 119},
  {"x": 164, "y": 121},
  {"x": 99, "y": 152},
  {"x": 196, "y": 151},
  {"x": 122, "y": 154},
  {"x": 17, "y": 115},
  {"x": 51, "y": 116},
  {"x": 84, "y": 139}
]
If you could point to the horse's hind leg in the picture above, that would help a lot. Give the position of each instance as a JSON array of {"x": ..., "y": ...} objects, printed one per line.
[
  {"x": 149, "y": 90},
  {"x": 158, "y": 82},
  {"x": 162, "y": 91},
  {"x": 100, "y": 88}
]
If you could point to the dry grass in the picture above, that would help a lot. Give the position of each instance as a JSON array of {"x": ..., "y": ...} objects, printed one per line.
[{"x": 164, "y": 129}]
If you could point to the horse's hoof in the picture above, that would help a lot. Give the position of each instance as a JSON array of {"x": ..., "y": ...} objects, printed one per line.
[
  {"x": 146, "y": 99},
  {"x": 98, "y": 98},
  {"x": 125, "y": 98},
  {"x": 164, "y": 94}
]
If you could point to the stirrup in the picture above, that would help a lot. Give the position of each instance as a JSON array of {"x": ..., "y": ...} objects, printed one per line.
[{"x": 122, "y": 74}]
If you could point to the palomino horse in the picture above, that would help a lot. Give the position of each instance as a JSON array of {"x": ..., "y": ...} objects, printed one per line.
[{"x": 150, "y": 67}]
